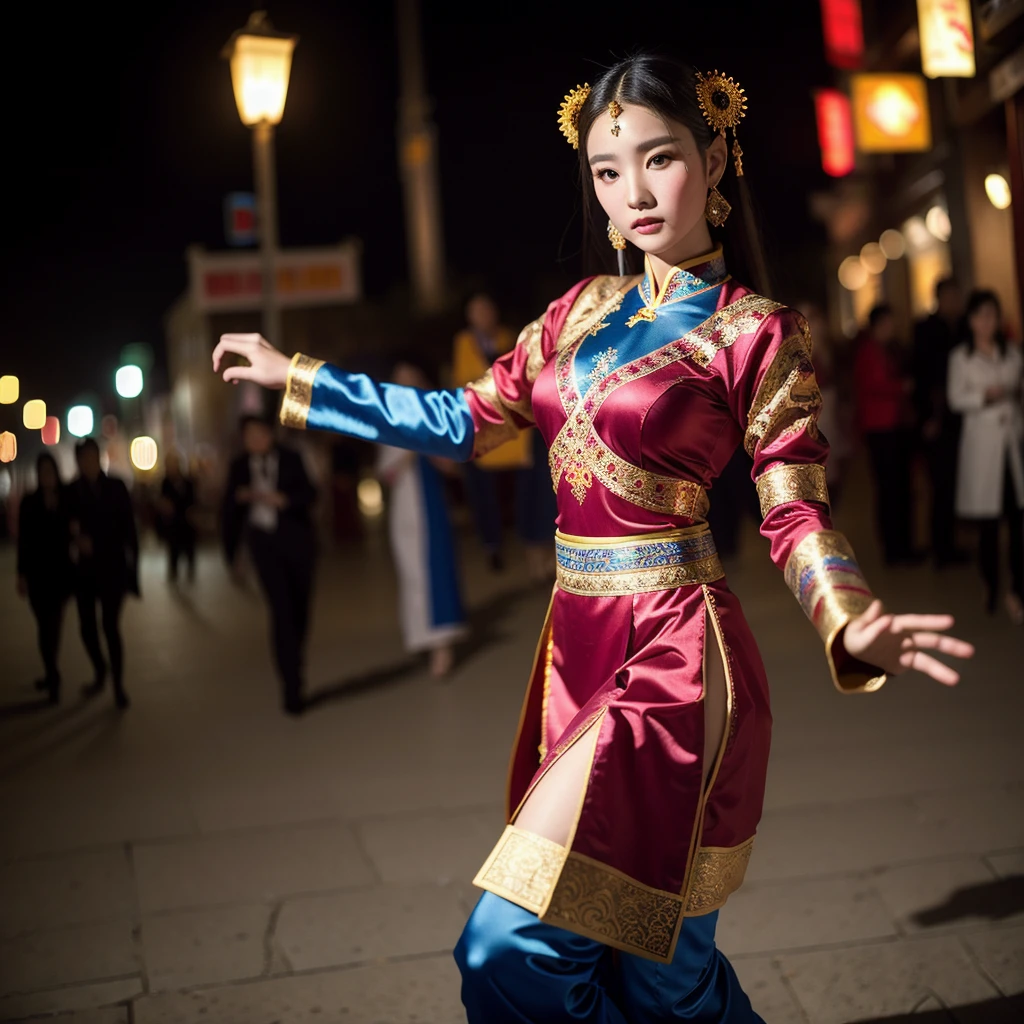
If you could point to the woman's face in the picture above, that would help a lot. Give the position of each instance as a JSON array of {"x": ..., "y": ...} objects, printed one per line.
[
  {"x": 652, "y": 180},
  {"x": 984, "y": 320}
]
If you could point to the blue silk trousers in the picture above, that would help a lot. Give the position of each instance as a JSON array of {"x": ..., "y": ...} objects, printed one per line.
[{"x": 518, "y": 970}]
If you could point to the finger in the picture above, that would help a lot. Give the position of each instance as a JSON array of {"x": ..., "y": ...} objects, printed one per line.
[
  {"x": 236, "y": 373},
  {"x": 907, "y": 623},
  {"x": 239, "y": 344},
  {"x": 940, "y": 642},
  {"x": 868, "y": 634},
  {"x": 929, "y": 666}
]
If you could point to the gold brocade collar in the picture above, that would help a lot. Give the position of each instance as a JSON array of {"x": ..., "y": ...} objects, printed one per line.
[{"x": 686, "y": 279}]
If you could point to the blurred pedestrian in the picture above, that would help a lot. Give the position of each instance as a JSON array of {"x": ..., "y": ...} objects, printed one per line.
[
  {"x": 939, "y": 426},
  {"x": 267, "y": 506},
  {"x": 475, "y": 349},
  {"x": 422, "y": 544},
  {"x": 985, "y": 386},
  {"x": 883, "y": 390},
  {"x": 105, "y": 548},
  {"x": 44, "y": 563},
  {"x": 176, "y": 512}
]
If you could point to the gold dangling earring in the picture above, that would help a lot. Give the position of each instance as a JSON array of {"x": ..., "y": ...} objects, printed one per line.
[
  {"x": 618, "y": 241},
  {"x": 717, "y": 208}
]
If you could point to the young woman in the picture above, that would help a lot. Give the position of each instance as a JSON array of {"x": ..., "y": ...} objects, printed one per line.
[
  {"x": 985, "y": 385},
  {"x": 637, "y": 777}
]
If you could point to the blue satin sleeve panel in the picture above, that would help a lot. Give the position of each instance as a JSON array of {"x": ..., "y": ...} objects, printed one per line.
[{"x": 434, "y": 423}]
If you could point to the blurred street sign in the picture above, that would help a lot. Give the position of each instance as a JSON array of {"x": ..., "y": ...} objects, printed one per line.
[
  {"x": 1007, "y": 77},
  {"x": 947, "y": 39},
  {"x": 890, "y": 113},
  {"x": 225, "y": 281},
  {"x": 240, "y": 219},
  {"x": 843, "y": 32},
  {"x": 835, "y": 132}
]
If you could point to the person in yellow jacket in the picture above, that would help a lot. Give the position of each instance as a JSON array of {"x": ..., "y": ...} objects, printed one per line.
[{"x": 475, "y": 349}]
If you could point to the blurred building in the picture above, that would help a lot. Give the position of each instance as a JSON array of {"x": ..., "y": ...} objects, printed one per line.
[{"x": 924, "y": 167}]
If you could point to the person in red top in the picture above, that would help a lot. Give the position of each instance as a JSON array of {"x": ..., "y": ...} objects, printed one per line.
[{"x": 882, "y": 390}]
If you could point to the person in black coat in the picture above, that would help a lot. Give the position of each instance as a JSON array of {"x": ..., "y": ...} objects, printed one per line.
[
  {"x": 44, "y": 563},
  {"x": 105, "y": 546},
  {"x": 177, "y": 504},
  {"x": 266, "y": 506}
]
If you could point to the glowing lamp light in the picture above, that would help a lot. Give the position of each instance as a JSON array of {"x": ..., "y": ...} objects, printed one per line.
[
  {"x": 143, "y": 453},
  {"x": 34, "y": 414},
  {"x": 844, "y": 33},
  {"x": 996, "y": 188},
  {"x": 852, "y": 274},
  {"x": 8, "y": 447},
  {"x": 917, "y": 234},
  {"x": 9, "y": 390},
  {"x": 936, "y": 220},
  {"x": 370, "y": 496},
  {"x": 873, "y": 258},
  {"x": 835, "y": 132},
  {"x": 51, "y": 430},
  {"x": 128, "y": 381},
  {"x": 890, "y": 113},
  {"x": 947, "y": 39},
  {"x": 261, "y": 64},
  {"x": 80, "y": 421},
  {"x": 893, "y": 244}
]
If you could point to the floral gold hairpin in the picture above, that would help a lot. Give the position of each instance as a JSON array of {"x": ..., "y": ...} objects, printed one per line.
[
  {"x": 724, "y": 104},
  {"x": 569, "y": 114}
]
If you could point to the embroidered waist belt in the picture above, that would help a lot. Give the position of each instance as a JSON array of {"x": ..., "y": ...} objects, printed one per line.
[{"x": 612, "y": 566}]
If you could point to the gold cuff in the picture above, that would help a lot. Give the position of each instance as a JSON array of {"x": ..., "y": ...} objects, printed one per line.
[
  {"x": 788, "y": 483},
  {"x": 823, "y": 574},
  {"x": 298, "y": 390}
]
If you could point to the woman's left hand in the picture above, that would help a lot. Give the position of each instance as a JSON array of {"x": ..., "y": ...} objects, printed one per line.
[{"x": 897, "y": 643}]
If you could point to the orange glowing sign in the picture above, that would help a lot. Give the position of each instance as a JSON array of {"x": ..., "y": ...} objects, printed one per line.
[
  {"x": 8, "y": 447},
  {"x": 843, "y": 32},
  {"x": 890, "y": 113},
  {"x": 947, "y": 38},
  {"x": 835, "y": 132}
]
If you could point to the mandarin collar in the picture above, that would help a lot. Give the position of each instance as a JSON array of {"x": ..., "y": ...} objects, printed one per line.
[{"x": 691, "y": 277}]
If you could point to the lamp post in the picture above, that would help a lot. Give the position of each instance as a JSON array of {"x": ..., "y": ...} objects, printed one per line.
[{"x": 261, "y": 62}]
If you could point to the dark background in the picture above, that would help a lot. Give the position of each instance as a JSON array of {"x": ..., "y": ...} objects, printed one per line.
[{"x": 123, "y": 139}]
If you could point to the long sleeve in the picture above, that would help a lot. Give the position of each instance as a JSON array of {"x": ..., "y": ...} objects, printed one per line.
[
  {"x": 775, "y": 398},
  {"x": 965, "y": 394}
]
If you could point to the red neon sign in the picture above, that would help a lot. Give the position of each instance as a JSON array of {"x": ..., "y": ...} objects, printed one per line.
[
  {"x": 835, "y": 132},
  {"x": 844, "y": 33}
]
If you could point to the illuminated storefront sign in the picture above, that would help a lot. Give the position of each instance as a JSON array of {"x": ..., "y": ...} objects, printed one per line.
[
  {"x": 947, "y": 39},
  {"x": 890, "y": 113},
  {"x": 843, "y": 32},
  {"x": 835, "y": 132}
]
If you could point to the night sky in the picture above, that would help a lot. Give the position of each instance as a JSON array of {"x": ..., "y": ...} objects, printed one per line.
[{"x": 123, "y": 139}]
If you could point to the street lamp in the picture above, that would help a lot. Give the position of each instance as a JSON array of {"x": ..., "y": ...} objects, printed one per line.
[
  {"x": 261, "y": 62},
  {"x": 128, "y": 381}
]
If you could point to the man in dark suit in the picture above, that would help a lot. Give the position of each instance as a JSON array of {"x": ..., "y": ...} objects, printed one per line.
[
  {"x": 267, "y": 506},
  {"x": 106, "y": 550}
]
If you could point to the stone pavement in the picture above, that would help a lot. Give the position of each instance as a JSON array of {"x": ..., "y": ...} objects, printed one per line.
[{"x": 205, "y": 859}]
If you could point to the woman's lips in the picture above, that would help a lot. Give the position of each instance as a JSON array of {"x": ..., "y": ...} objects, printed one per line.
[{"x": 647, "y": 225}]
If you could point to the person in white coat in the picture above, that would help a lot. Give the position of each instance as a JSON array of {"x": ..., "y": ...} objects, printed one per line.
[{"x": 985, "y": 386}]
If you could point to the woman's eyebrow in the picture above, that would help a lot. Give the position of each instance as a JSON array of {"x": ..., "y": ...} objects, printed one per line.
[{"x": 662, "y": 140}]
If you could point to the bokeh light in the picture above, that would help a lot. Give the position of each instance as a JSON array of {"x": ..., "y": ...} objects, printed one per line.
[
  {"x": 51, "y": 430},
  {"x": 8, "y": 447},
  {"x": 128, "y": 381},
  {"x": 893, "y": 244},
  {"x": 916, "y": 234},
  {"x": 80, "y": 421},
  {"x": 34, "y": 414},
  {"x": 852, "y": 273},
  {"x": 9, "y": 390},
  {"x": 371, "y": 497},
  {"x": 144, "y": 453},
  {"x": 998, "y": 191},
  {"x": 873, "y": 258},
  {"x": 937, "y": 222}
]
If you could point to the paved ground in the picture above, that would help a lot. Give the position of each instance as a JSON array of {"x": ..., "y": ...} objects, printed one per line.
[{"x": 204, "y": 859}]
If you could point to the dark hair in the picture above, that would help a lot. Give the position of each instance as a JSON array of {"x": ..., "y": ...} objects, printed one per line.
[
  {"x": 944, "y": 284},
  {"x": 43, "y": 459},
  {"x": 668, "y": 87},
  {"x": 978, "y": 298},
  {"x": 252, "y": 417},
  {"x": 879, "y": 312},
  {"x": 89, "y": 444}
]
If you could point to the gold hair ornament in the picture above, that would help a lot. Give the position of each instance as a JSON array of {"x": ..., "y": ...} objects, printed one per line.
[
  {"x": 724, "y": 104},
  {"x": 615, "y": 108},
  {"x": 569, "y": 114},
  {"x": 618, "y": 240}
]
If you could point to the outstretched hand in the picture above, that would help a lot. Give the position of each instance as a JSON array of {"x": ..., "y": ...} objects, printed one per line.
[
  {"x": 897, "y": 643},
  {"x": 267, "y": 366}
]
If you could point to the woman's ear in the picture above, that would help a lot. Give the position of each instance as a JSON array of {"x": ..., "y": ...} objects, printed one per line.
[{"x": 715, "y": 159}]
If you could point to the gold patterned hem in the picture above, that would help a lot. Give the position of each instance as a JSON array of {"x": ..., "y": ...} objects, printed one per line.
[
  {"x": 784, "y": 484},
  {"x": 298, "y": 390},
  {"x": 640, "y": 581},
  {"x": 584, "y": 896}
]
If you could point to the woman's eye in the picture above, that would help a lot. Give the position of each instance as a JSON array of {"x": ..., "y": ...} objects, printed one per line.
[
  {"x": 607, "y": 174},
  {"x": 659, "y": 160}
]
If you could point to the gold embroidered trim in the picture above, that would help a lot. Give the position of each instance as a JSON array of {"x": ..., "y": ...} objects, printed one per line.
[
  {"x": 596, "y": 301},
  {"x": 715, "y": 874},
  {"x": 722, "y": 329},
  {"x": 823, "y": 574},
  {"x": 576, "y": 892},
  {"x": 640, "y": 581},
  {"x": 549, "y": 654},
  {"x": 298, "y": 390},
  {"x": 787, "y": 400},
  {"x": 784, "y": 484}
]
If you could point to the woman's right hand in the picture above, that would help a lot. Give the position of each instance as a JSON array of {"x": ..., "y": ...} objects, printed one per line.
[{"x": 267, "y": 366}]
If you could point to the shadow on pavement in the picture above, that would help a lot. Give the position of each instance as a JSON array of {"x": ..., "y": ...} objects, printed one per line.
[
  {"x": 60, "y": 730},
  {"x": 995, "y": 900},
  {"x": 992, "y": 1011}
]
